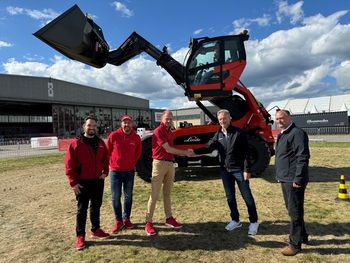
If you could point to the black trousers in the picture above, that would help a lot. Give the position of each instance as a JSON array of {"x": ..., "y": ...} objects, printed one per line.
[
  {"x": 294, "y": 201},
  {"x": 92, "y": 192}
]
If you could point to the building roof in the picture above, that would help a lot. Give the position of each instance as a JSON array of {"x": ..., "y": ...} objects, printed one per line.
[
  {"x": 314, "y": 105},
  {"x": 50, "y": 90}
]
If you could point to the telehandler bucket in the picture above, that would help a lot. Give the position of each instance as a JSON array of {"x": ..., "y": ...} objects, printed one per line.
[{"x": 76, "y": 36}]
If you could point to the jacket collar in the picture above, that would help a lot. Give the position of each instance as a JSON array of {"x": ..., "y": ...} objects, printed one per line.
[
  {"x": 287, "y": 130},
  {"x": 229, "y": 129},
  {"x": 164, "y": 127}
]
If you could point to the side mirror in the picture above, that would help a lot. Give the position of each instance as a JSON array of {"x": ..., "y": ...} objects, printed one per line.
[{"x": 76, "y": 36}]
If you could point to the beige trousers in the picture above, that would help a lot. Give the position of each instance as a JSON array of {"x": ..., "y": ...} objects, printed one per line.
[{"x": 163, "y": 173}]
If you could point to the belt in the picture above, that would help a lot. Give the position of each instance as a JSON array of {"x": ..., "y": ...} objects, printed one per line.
[{"x": 171, "y": 161}]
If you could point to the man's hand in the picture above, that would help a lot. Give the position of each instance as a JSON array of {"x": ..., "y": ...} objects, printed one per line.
[
  {"x": 103, "y": 176},
  {"x": 76, "y": 188},
  {"x": 190, "y": 153},
  {"x": 295, "y": 185},
  {"x": 246, "y": 176}
]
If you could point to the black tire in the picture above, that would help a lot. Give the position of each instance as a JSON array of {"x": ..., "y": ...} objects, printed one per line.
[
  {"x": 259, "y": 154},
  {"x": 144, "y": 164}
]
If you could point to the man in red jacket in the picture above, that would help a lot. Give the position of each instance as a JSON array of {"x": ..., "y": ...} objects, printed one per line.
[
  {"x": 124, "y": 149},
  {"x": 86, "y": 167}
]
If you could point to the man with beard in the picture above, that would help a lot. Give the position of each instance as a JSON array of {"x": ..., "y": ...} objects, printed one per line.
[
  {"x": 86, "y": 167},
  {"x": 124, "y": 149},
  {"x": 292, "y": 171}
]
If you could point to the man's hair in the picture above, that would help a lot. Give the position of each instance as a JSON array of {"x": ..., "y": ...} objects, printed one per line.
[
  {"x": 226, "y": 112},
  {"x": 284, "y": 111},
  {"x": 90, "y": 117},
  {"x": 166, "y": 112}
]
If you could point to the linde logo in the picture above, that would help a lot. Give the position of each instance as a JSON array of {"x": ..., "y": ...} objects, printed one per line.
[
  {"x": 317, "y": 121},
  {"x": 192, "y": 139}
]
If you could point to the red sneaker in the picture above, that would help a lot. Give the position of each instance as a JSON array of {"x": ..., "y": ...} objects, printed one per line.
[
  {"x": 118, "y": 225},
  {"x": 127, "y": 223},
  {"x": 150, "y": 231},
  {"x": 171, "y": 222},
  {"x": 100, "y": 234},
  {"x": 80, "y": 242}
]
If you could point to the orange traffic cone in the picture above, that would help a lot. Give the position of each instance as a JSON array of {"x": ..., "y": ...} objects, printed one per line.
[{"x": 343, "y": 194}]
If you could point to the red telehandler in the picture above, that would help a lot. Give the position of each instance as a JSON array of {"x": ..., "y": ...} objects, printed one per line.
[{"x": 212, "y": 73}]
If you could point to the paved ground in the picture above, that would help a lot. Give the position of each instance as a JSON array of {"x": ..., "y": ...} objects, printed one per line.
[{"x": 330, "y": 138}]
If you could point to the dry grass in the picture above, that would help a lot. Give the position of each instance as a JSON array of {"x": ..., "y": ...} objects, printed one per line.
[{"x": 37, "y": 217}]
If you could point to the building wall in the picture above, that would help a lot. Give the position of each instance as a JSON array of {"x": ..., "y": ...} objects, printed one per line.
[
  {"x": 194, "y": 116},
  {"x": 33, "y": 106}
]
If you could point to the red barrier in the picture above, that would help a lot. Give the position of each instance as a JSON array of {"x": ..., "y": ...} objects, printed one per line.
[{"x": 63, "y": 144}]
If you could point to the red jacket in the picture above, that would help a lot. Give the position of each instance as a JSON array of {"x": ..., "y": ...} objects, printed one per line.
[
  {"x": 123, "y": 150},
  {"x": 83, "y": 162}
]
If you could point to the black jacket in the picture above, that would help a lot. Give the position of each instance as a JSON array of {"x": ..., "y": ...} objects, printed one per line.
[
  {"x": 292, "y": 156},
  {"x": 234, "y": 151}
]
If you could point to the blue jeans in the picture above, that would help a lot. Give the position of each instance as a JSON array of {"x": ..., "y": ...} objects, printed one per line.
[
  {"x": 119, "y": 180},
  {"x": 229, "y": 179}
]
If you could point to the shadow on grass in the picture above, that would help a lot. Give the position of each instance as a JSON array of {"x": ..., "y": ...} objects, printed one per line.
[
  {"x": 198, "y": 173},
  {"x": 212, "y": 236},
  {"x": 316, "y": 174},
  {"x": 313, "y": 228}
]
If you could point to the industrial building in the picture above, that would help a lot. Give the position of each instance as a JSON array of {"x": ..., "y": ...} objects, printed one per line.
[
  {"x": 41, "y": 106},
  {"x": 192, "y": 116},
  {"x": 319, "y": 115}
]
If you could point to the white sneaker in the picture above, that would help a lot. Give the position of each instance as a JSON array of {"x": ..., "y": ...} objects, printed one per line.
[
  {"x": 253, "y": 229},
  {"x": 232, "y": 225}
]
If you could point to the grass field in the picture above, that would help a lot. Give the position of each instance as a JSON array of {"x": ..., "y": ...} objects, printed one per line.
[{"x": 37, "y": 217}]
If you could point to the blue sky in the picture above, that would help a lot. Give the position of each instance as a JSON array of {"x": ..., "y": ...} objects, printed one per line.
[{"x": 297, "y": 49}]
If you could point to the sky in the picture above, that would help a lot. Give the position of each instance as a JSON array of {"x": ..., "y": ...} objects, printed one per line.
[{"x": 297, "y": 49}]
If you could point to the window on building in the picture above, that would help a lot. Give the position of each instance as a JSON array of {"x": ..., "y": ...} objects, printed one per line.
[{"x": 116, "y": 116}]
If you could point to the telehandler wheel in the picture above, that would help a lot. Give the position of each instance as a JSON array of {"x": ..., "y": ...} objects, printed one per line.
[
  {"x": 144, "y": 164},
  {"x": 259, "y": 154}
]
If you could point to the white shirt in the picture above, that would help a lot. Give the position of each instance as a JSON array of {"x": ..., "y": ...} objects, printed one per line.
[{"x": 287, "y": 127}]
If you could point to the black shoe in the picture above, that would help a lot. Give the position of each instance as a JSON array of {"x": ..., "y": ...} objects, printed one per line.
[{"x": 305, "y": 240}]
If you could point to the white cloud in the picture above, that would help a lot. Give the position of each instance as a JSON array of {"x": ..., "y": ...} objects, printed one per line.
[
  {"x": 297, "y": 62},
  {"x": 293, "y": 12},
  {"x": 198, "y": 31},
  {"x": 139, "y": 77},
  {"x": 342, "y": 76},
  {"x": 123, "y": 9},
  {"x": 244, "y": 23},
  {"x": 44, "y": 15},
  {"x": 5, "y": 44}
]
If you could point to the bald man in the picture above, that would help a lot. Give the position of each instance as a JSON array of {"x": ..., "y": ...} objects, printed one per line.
[{"x": 292, "y": 164}]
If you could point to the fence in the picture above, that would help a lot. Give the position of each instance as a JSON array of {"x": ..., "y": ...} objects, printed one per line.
[
  {"x": 327, "y": 130},
  {"x": 19, "y": 147}
]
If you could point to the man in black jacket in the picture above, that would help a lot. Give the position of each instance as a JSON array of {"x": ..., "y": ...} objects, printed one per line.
[
  {"x": 292, "y": 163},
  {"x": 232, "y": 145}
]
